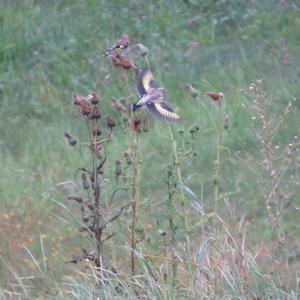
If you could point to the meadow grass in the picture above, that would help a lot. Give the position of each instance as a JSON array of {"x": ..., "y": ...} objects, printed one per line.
[{"x": 50, "y": 49}]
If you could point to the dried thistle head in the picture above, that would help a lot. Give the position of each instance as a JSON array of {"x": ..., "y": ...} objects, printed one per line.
[
  {"x": 136, "y": 123},
  {"x": 122, "y": 61},
  {"x": 85, "y": 107},
  {"x": 110, "y": 122},
  {"x": 95, "y": 113},
  {"x": 92, "y": 97},
  {"x": 76, "y": 99},
  {"x": 215, "y": 96}
]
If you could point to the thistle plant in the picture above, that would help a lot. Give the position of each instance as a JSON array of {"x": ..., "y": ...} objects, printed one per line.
[
  {"x": 219, "y": 123},
  {"x": 95, "y": 215}
]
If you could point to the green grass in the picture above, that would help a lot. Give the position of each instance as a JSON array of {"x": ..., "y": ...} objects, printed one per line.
[{"x": 50, "y": 49}]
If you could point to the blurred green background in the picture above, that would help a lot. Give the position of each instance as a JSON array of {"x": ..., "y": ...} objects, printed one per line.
[{"x": 50, "y": 49}]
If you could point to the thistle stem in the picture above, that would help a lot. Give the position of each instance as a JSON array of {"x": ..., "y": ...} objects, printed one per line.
[
  {"x": 177, "y": 163},
  {"x": 216, "y": 177}
]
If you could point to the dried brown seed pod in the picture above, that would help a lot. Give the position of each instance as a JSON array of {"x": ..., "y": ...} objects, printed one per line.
[
  {"x": 122, "y": 61},
  {"x": 95, "y": 114},
  {"x": 93, "y": 98},
  {"x": 85, "y": 107},
  {"x": 215, "y": 96},
  {"x": 136, "y": 123},
  {"x": 110, "y": 122}
]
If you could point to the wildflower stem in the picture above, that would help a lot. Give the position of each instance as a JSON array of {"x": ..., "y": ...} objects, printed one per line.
[
  {"x": 96, "y": 192},
  {"x": 134, "y": 146},
  {"x": 170, "y": 206},
  {"x": 216, "y": 177},
  {"x": 135, "y": 196},
  {"x": 177, "y": 163}
]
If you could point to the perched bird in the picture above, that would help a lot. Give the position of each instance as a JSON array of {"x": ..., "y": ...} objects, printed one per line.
[
  {"x": 119, "y": 47},
  {"x": 153, "y": 97}
]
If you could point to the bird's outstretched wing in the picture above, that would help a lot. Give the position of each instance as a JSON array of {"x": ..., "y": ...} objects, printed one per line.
[
  {"x": 163, "y": 111},
  {"x": 145, "y": 80}
]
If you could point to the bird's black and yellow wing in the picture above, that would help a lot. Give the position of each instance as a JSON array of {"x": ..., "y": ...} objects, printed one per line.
[
  {"x": 163, "y": 111},
  {"x": 145, "y": 80}
]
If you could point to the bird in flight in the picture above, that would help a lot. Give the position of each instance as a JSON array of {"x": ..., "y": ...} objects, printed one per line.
[
  {"x": 119, "y": 47},
  {"x": 153, "y": 97}
]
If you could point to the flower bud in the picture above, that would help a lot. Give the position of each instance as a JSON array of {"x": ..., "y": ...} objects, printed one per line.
[
  {"x": 194, "y": 128},
  {"x": 71, "y": 140},
  {"x": 85, "y": 218},
  {"x": 128, "y": 157},
  {"x": 118, "y": 168},
  {"x": 90, "y": 205},
  {"x": 75, "y": 198},
  {"x": 192, "y": 90},
  {"x": 142, "y": 49},
  {"x": 226, "y": 122},
  {"x": 85, "y": 183}
]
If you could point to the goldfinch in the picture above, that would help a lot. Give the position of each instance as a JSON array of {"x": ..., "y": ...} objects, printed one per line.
[
  {"x": 153, "y": 97},
  {"x": 119, "y": 47}
]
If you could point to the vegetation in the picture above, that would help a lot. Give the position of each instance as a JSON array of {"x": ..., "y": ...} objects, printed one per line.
[{"x": 204, "y": 208}]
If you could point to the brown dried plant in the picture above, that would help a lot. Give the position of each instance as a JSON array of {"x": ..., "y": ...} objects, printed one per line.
[
  {"x": 96, "y": 216},
  {"x": 276, "y": 161}
]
